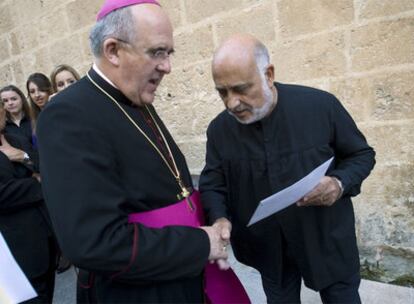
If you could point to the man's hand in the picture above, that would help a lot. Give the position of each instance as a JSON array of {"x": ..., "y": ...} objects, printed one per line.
[
  {"x": 224, "y": 226},
  {"x": 13, "y": 154},
  {"x": 217, "y": 244},
  {"x": 324, "y": 194},
  {"x": 37, "y": 176}
]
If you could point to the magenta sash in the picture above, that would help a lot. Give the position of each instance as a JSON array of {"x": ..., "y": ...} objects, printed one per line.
[{"x": 221, "y": 286}]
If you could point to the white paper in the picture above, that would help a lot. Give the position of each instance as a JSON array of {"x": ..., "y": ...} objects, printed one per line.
[
  {"x": 289, "y": 195},
  {"x": 14, "y": 286}
]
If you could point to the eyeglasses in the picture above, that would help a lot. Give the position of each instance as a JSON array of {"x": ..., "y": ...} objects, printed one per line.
[{"x": 157, "y": 54}]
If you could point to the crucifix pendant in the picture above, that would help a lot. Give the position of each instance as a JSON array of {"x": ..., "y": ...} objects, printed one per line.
[{"x": 185, "y": 194}]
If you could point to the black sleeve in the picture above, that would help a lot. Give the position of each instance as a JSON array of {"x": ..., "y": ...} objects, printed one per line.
[
  {"x": 84, "y": 195},
  {"x": 354, "y": 157},
  {"x": 16, "y": 193},
  {"x": 212, "y": 182}
]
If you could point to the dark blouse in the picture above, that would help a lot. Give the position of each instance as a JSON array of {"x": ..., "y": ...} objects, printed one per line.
[{"x": 25, "y": 128}]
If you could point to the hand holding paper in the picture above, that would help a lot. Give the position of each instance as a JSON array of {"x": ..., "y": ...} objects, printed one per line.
[{"x": 289, "y": 195}]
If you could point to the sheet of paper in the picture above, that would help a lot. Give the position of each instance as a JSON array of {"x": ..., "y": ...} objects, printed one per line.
[
  {"x": 14, "y": 286},
  {"x": 289, "y": 195}
]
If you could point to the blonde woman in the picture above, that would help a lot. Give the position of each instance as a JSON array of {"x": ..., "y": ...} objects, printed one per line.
[{"x": 63, "y": 76}]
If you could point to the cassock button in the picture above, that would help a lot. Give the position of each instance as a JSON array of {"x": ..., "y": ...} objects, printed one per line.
[{"x": 266, "y": 140}]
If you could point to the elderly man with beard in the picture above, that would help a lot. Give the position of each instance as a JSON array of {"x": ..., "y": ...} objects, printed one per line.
[{"x": 270, "y": 136}]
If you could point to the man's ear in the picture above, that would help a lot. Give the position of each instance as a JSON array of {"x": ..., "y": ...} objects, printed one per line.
[
  {"x": 110, "y": 50},
  {"x": 270, "y": 75}
]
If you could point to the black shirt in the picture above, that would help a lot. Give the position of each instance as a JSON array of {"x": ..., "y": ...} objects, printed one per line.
[{"x": 25, "y": 128}]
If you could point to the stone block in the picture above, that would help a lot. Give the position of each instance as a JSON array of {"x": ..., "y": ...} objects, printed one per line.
[
  {"x": 173, "y": 10},
  {"x": 188, "y": 102},
  {"x": 392, "y": 142},
  {"x": 382, "y": 44},
  {"x": 193, "y": 45},
  {"x": 194, "y": 153},
  {"x": 386, "y": 96},
  {"x": 257, "y": 20},
  {"x": 6, "y": 74},
  {"x": 52, "y": 26},
  {"x": 23, "y": 40},
  {"x": 379, "y": 8},
  {"x": 29, "y": 10},
  {"x": 85, "y": 46},
  {"x": 18, "y": 75},
  {"x": 315, "y": 57},
  {"x": 37, "y": 61},
  {"x": 298, "y": 17},
  {"x": 64, "y": 51},
  {"x": 6, "y": 19},
  {"x": 5, "y": 47},
  {"x": 82, "y": 13},
  {"x": 200, "y": 9},
  {"x": 353, "y": 95}
]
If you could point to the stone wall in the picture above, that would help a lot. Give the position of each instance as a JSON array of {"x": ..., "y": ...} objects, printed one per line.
[{"x": 361, "y": 50}]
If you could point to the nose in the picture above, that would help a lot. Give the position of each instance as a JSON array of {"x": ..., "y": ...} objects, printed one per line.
[
  {"x": 233, "y": 101},
  {"x": 164, "y": 66}
]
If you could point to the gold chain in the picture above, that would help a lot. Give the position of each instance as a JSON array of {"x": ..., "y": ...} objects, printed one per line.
[{"x": 184, "y": 191}]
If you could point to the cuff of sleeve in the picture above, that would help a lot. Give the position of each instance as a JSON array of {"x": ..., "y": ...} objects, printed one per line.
[{"x": 341, "y": 187}]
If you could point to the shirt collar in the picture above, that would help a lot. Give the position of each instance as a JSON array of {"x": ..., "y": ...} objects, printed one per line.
[{"x": 100, "y": 73}]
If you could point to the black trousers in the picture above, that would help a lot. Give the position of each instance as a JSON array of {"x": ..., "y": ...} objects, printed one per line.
[{"x": 345, "y": 291}]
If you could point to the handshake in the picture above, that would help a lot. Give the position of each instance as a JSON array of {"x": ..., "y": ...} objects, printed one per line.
[{"x": 219, "y": 236}]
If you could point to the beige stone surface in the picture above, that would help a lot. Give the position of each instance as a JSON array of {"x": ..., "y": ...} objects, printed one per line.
[
  {"x": 257, "y": 20},
  {"x": 23, "y": 41},
  {"x": 392, "y": 142},
  {"x": 5, "y": 49},
  {"x": 298, "y": 17},
  {"x": 193, "y": 45},
  {"x": 200, "y": 9},
  {"x": 189, "y": 92},
  {"x": 174, "y": 10},
  {"x": 66, "y": 51},
  {"x": 36, "y": 61},
  {"x": 386, "y": 43},
  {"x": 314, "y": 57},
  {"x": 51, "y": 27},
  {"x": 6, "y": 74},
  {"x": 195, "y": 155},
  {"x": 6, "y": 19},
  {"x": 82, "y": 13},
  {"x": 384, "y": 96},
  {"x": 379, "y": 8}
]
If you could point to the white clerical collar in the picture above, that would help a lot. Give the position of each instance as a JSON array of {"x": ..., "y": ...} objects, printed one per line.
[{"x": 100, "y": 73}]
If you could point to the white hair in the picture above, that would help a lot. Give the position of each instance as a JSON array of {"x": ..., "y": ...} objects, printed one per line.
[{"x": 117, "y": 24}]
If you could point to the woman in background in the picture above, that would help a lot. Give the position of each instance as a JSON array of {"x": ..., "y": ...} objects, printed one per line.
[
  {"x": 63, "y": 76},
  {"x": 39, "y": 90},
  {"x": 24, "y": 221},
  {"x": 17, "y": 112}
]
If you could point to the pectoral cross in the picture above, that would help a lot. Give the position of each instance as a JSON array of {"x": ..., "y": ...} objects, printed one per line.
[{"x": 185, "y": 194}]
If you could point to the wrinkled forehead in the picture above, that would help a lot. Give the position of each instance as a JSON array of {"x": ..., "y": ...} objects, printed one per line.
[{"x": 232, "y": 69}]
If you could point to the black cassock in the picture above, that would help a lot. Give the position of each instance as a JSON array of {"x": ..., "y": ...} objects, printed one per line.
[
  {"x": 247, "y": 163},
  {"x": 96, "y": 169}
]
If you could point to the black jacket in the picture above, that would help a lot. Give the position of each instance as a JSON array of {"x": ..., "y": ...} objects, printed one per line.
[{"x": 23, "y": 218}]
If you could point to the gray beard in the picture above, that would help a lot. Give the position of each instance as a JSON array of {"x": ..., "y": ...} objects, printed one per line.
[{"x": 259, "y": 113}]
